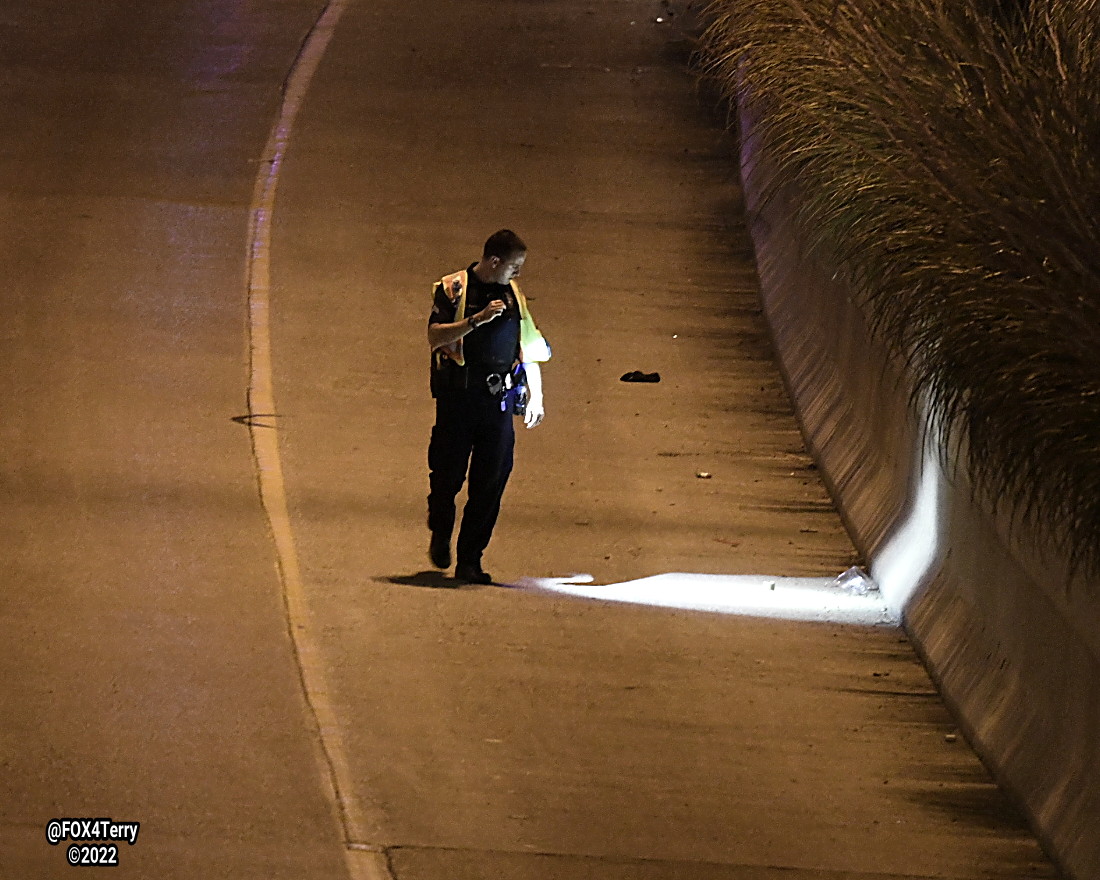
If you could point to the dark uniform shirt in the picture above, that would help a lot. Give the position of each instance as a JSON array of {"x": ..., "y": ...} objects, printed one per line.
[{"x": 494, "y": 346}]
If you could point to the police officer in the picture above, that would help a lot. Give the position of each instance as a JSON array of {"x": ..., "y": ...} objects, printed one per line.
[{"x": 479, "y": 330}]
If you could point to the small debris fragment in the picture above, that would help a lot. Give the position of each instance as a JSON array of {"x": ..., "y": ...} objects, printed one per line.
[
  {"x": 951, "y": 737},
  {"x": 703, "y": 475},
  {"x": 639, "y": 376},
  {"x": 855, "y": 581}
]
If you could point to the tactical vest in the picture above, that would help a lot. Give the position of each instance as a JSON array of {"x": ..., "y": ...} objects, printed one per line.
[{"x": 532, "y": 345}]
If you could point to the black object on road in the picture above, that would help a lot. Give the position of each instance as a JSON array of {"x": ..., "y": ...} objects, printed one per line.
[{"x": 639, "y": 376}]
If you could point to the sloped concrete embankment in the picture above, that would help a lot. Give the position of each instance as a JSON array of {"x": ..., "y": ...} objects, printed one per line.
[{"x": 1005, "y": 629}]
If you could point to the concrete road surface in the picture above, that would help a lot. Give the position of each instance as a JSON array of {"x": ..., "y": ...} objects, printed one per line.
[{"x": 223, "y": 625}]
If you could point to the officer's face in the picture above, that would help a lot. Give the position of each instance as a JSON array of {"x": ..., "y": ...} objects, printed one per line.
[{"x": 510, "y": 268}]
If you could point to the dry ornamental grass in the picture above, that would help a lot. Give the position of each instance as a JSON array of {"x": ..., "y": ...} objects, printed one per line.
[{"x": 946, "y": 156}]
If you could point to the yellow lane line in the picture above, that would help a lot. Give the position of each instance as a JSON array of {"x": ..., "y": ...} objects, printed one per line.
[{"x": 365, "y": 861}]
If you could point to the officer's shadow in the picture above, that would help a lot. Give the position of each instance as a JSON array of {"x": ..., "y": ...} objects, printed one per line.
[{"x": 435, "y": 580}]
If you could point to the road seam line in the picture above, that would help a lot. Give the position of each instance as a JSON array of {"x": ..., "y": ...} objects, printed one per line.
[
  {"x": 793, "y": 871},
  {"x": 364, "y": 861}
]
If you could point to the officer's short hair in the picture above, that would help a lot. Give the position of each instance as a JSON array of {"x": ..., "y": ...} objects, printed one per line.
[{"x": 503, "y": 244}]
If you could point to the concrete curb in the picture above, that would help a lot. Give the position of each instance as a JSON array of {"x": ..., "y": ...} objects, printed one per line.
[{"x": 998, "y": 622}]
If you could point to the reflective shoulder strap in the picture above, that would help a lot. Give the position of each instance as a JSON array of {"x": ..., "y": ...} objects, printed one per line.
[
  {"x": 532, "y": 344},
  {"x": 454, "y": 285}
]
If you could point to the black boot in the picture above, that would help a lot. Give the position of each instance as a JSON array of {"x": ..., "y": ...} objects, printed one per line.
[
  {"x": 471, "y": 573},
  {"x": 439, "y": 550}
]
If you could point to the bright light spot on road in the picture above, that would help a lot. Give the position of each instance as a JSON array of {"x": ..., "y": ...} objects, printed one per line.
[
  {"x": 784, "y": 598},
  {"x": 904, "y": 564}
]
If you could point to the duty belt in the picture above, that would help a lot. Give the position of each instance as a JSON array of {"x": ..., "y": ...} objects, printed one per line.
[{"x": 495, "y": 378}]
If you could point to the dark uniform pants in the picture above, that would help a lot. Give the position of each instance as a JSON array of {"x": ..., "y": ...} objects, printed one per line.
[{"x": 470, "y": 433}]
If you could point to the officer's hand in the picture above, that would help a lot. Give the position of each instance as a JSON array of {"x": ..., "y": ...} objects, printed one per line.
[
  {"x": 534, "y": 415},
  {"x": 489, "y": 312}
]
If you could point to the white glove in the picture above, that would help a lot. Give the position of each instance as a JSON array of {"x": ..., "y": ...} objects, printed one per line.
[
  {"x": 535, "y": 411},
  {"x": 533, "y": 417}
]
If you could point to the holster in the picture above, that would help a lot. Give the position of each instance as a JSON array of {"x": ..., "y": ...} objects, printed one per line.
[{"x": 516, "y": 393}]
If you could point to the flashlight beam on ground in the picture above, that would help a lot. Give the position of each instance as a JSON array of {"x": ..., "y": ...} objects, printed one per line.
[{"x": 783, "y": 598}]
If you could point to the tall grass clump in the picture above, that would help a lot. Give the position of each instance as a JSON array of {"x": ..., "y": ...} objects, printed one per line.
[{"x": 946, "y": 156}]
